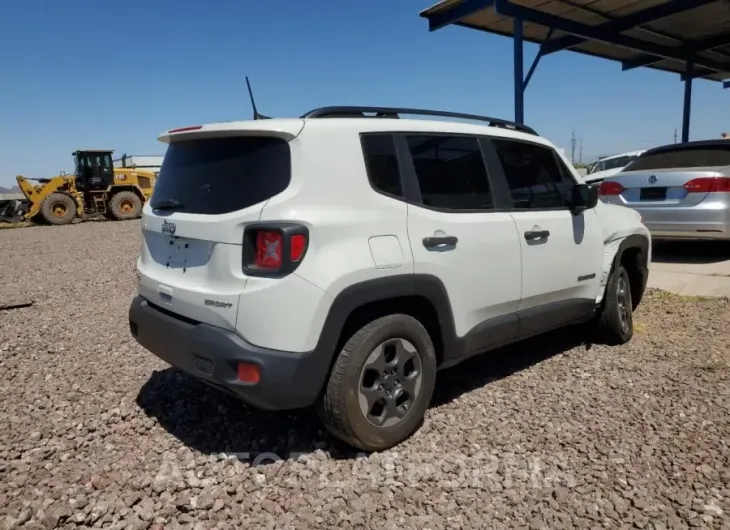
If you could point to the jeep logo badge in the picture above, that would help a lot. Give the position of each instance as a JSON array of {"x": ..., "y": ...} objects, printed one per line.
[
  {"x": 168, "y": 228},
  {"x": 652, "y": 179}
]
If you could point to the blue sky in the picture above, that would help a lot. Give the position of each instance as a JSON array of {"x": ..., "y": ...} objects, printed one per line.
[{"x": 99, "y": 74}]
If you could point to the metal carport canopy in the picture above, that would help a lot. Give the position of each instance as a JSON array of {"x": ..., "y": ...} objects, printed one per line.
[{"x": 687, "y": 37}]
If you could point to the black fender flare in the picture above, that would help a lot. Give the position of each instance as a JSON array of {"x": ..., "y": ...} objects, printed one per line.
[
  {"x": 363, "y": 293},
  {"x": 643, "y": 245},
  {"x": 380, "y": 289}
]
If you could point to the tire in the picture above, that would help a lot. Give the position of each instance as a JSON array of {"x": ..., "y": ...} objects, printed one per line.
[
  {"x": 58, "y": 209},
  {"x": 125, "y": 205},
  {"x": 616, "y": 321},
  {"x": 340, "y": 406}
]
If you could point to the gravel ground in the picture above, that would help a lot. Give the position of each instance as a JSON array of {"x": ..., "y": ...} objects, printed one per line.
[{"x": 552, "y": 433}]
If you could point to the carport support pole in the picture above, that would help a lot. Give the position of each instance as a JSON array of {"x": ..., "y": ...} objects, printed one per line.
[
  {"x": 687, "y": 110},
  {"x": 519, "y": 71}
]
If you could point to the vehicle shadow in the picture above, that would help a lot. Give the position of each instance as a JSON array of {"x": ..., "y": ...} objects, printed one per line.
[
  {"x": 696, "y": 252},
  {"x": 212, "y": 422},
  {"x": 492, "y": 366}
]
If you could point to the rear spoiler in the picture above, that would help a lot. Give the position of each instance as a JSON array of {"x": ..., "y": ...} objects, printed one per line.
[{"x": 286, "y": 129}]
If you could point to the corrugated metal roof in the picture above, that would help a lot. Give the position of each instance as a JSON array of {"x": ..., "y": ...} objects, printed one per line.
[{"x": 678, "y": 31}]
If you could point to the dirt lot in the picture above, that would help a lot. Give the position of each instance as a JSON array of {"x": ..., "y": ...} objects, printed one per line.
[{"x": 552, "y": 433}]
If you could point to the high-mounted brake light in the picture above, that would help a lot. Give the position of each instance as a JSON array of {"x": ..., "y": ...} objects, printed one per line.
[
  {"x": 610, "y": 188},
  {"x": 273, "y": 249},
  {"x": 708, "y": 185},
  {"x": 183, "y": 129}
]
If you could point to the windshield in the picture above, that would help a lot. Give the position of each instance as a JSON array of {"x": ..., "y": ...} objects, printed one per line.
[
  {"x": 612, "y": 163},
  {"x": 92, "y": 160},
  {"x": 221, "y": 175}
]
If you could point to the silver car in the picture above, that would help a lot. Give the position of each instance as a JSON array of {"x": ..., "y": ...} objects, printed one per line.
[{"x": 682, "y": 191}]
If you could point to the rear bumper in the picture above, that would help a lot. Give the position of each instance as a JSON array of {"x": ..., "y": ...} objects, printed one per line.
[
  {"x": 211, "y": 354},
  {"x": 708, "y": 220}
]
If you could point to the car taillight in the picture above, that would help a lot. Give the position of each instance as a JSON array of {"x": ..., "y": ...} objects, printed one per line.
[
  {"x": 708, "y": 185},
  {"x": 268, "y": 249},
  {"x": 274, "y": 249},
  {"x": 297, "y": 247},
  {"x": 610, "y": 188}
]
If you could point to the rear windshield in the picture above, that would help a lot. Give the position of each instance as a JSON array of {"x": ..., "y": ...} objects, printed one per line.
[
  {"x": 221, "y": 175},
  {"x": 682, "y": 158}
]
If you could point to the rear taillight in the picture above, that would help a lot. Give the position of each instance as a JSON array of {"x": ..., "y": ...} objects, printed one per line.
[
  {"x": 268, "y": 249},
  {"x": 297, "y": 247},
  {"x": 708, "y": 185},
  {"x": 610, "y": 188},
  {"x": 274, "y": 249}
]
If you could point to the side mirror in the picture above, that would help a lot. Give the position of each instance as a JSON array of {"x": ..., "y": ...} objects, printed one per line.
[{"x": 583, "y": 197}]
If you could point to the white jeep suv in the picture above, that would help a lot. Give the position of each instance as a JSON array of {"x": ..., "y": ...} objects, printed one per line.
[{"x": 344, "y": 257}]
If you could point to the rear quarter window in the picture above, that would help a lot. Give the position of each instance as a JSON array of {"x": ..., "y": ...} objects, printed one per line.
[
  {"x": 682, "y": 158},
  {"x": 381, "y": 163},
  {"x": 222, "y": 175}
]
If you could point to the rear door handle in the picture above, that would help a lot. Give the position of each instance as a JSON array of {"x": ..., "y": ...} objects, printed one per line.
[
  {"x": 531, "y": 235},
  {"x": 438, "y": 242}
]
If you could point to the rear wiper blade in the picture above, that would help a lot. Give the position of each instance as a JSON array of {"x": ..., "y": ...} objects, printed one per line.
[{"x": 167, "y": 204}]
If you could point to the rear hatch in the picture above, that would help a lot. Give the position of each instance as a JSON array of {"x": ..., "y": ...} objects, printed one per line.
[
  {"x": 678, "y": 176},
  {"x": 209, "y": 188}
]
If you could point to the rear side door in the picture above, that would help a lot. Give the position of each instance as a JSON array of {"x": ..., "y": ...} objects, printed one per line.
[
  {"x": 457, "y": 235},
  {"x": 562, "y": 253}
]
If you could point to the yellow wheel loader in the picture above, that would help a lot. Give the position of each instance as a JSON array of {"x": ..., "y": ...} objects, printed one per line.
[{"x": 96, "y": 188}]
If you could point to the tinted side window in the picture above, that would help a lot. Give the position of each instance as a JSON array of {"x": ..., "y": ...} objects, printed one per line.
[
  {"x": 536, "y": 177},
  {"x": 381, "y": 163},
  {"x": 451, "y": 172},
  {"x": 682, "y": 158},
  {"x": 617, "y": 162}
]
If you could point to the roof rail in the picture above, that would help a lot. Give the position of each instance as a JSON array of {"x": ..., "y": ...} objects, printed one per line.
[{"x": 394, "y": 112}]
